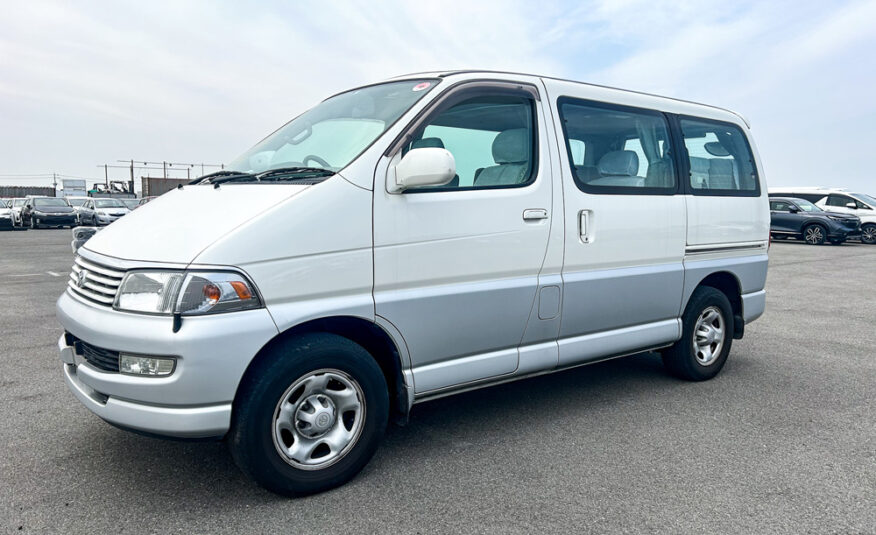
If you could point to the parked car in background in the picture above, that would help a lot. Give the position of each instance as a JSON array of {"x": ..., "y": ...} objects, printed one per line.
[
  {"x": 6, "y": 214},
  {"x": 77, "y": 203},
  {"x": 131, "y": 204},
  {"x": 861, "y": 205},
  {"x": 47, "y": 212},
  {"x": 17, "y": 205},
  {"x": 799, "y": 218},
  {"x": 145, "y": 200},
  {"x": 101, "y": 211}
]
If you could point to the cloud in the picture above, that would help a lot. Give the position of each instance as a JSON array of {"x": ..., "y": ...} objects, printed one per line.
[{"x": 86, "y": 83}]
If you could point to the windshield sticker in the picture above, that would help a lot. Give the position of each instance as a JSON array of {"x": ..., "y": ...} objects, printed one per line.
[{"x": 421, "y": 86}]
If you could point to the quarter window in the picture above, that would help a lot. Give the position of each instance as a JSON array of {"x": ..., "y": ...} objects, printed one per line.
[
  {"x": 841, "y": 201},
  {"x": 627, "y": 149},
  {"x": 720, "y": 159},
  {"x": 491, "y": 138}
]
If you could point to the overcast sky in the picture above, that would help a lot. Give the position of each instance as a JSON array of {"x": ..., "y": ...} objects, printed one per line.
[{"x": 87, "y": 84}]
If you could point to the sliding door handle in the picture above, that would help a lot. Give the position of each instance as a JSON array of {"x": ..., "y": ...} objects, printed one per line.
[
  {"x": 535, "y": 214},
  {"x": 585, "y": 226}
]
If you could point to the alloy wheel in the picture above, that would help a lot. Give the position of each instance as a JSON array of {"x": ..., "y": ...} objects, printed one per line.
[{"x": 814, "y": 235}]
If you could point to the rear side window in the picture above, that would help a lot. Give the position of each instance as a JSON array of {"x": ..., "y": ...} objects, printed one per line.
[
  {"x": 842, "y": 200},
  {"x": 779, "y": 206},
  {"x": 721, "y": 162},
  {"x": 617, "y": 149}
]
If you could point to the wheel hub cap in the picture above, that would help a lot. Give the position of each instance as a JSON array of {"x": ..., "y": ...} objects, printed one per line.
[
  {"x": 319, "y": 419},
  {"x": 316, "y": 415},
  {"x": 708, "y": 336}
]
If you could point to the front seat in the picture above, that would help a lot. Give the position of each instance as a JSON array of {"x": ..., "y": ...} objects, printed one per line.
[
  {"x": 511, "y": 150},
  {"x": 434, "y": 143}
]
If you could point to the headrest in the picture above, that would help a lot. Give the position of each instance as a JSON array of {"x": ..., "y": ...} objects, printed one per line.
[
  {"x": 427, "y": 143},
  {"x": 716, "y": 149},
  {"x": 619, "y": 163},
  {"x": 512, "y": 146}
]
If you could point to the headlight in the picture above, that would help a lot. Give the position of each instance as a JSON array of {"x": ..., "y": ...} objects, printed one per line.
[
  {"x": 836, "y": 218},
  {"x": 185, "y": 293}
]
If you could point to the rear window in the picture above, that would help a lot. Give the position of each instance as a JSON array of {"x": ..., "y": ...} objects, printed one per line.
[{"x": 721, "y": 161}]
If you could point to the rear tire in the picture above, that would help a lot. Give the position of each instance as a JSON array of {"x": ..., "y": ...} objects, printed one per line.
[
  {"x": 285, "y": 433},
  {"x": 707, "y": 334},
  {"x": 868, "y": 234},
  {"x": 814, "y": 234}
]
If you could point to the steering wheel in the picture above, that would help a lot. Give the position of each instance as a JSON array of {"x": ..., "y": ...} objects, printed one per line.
[{"x": 316, "y": 159}]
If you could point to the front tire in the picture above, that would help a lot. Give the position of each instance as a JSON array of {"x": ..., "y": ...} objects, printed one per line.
[
  {"x": 868, "y": 234},
  {"x": 814, "y": 234},
  {"x": 310, "y": 415},
  {"x": 707, "y": 334}
]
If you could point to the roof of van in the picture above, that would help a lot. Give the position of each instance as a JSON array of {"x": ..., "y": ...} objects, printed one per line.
[{"x": 444, "y": 74}]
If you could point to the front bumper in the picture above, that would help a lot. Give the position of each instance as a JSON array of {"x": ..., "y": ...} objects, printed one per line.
[
  {"x": 107, "y": 219},
  {"x": 53, "y": 220},
  {"x": 844, "y": 234},
  {"x": 212, "y": 354},
  {"x": 187, "y": 422},
  {"x": 6, "y": 223}
]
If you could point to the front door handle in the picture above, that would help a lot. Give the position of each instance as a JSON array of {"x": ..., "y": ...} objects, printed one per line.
[{"x": 535, "y": 214}]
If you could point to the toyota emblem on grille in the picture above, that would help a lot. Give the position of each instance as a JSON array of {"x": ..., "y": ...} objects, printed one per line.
[{"x": 83, "y": 276}]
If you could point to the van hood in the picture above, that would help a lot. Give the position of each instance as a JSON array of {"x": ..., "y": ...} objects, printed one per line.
[{"x": 177, "y": 226}]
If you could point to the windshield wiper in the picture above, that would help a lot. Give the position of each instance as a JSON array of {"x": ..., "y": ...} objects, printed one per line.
[
  {"x": 294, "y": 173},
  {"x": 223, "y": 176}
]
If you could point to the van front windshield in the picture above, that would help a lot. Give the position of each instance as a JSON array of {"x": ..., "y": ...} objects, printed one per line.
[{"x": 336, "y": 131}]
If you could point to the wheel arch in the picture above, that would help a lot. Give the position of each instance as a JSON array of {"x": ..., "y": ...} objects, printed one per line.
[
  {"x": 727, "y": 283},
  {"x": 368, "y": 334}
]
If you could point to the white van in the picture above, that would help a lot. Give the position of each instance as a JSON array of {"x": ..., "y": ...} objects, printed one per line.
[
  {"x": 838, "y": 200},
  {"x": 411, "y": 239}
]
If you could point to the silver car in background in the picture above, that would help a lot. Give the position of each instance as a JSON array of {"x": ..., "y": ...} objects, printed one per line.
[
  {"x": 77, "y": 203},
  {"x": 97, "y": 212},
  {"x": 17, "y": 204}
]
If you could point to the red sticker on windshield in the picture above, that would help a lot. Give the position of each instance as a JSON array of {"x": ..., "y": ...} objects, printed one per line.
[{"x": 421, "y": 86}]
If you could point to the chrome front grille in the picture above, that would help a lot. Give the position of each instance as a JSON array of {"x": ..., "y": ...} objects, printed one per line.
[{"x": 95, "y": 282}]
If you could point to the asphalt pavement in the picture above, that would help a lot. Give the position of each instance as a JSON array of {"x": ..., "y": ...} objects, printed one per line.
[{"x": 782, "y": 441}]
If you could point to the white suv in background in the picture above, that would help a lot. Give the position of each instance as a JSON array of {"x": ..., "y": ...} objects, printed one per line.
[{"x": 838, "y": 200}]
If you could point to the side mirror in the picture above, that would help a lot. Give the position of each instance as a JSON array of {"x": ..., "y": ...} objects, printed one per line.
[
  {"x": 851, "y": 205},
  {"x": 793, "y": 209},
  {"x": 429, "y": 166}
]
